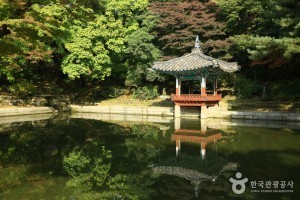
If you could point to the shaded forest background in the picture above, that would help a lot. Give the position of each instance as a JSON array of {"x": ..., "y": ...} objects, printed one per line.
[{"x": 104, "y": 48}]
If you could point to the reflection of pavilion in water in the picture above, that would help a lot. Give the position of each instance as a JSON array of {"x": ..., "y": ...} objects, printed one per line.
[
  {"x": 193, "y": 168},
  {"x": 202, "y": 136}
]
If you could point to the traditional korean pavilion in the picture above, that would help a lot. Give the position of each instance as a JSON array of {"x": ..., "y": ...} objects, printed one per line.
[{"x": 195, "y": 66}]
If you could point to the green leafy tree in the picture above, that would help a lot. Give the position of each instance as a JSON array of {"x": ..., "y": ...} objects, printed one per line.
[
  {"x": 264, "y": 35},
  {"x": 141, "y": 52}
]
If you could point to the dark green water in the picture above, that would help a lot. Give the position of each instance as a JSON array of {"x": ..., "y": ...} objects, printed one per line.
[{"x": 93, "y": 159}]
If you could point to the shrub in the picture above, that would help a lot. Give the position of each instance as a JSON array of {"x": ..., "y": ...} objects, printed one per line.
[
  {"x": 109, "y": 92},
  {"x": 23, "y": 87},
  {"x": 145, "y": 93},
  {"x": 245, "y": 88},
  {"x": 286, "y": 90}
]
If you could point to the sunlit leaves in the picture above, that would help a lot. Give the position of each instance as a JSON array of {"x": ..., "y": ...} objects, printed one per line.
[{"x": 88, "y": 37}]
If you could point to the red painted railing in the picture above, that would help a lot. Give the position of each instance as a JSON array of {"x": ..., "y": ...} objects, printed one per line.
[{"x": 196, "y": 97}]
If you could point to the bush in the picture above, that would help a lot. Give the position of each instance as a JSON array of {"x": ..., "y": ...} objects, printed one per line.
[
  {"x": 145, "y": 93},
  {"x": 246, "y": 88},
  {"x": 23, "y": 87},
  {"x": 109, "y": 92},
  {"x": 286, "y": 90}
]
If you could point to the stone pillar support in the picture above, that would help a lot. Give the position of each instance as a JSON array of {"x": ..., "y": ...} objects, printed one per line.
[
  {"x": 177, "y": 123},
  {"x": 203, "y": 125},
  {"x": 203, "y": 114},
  {"x": 177, "y": 111}
]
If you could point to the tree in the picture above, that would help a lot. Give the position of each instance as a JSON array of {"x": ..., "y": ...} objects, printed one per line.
[
  {"x": 141, "y": 52},
  {"x": 180, "y": 23},
  {"x": 87, "y": 39},
  {"x": 27, "y": 34},
  {"x": 265, "y": 32}
]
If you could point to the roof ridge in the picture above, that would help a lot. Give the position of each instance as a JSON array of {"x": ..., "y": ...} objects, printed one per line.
[{"x": 172, "y": 60}]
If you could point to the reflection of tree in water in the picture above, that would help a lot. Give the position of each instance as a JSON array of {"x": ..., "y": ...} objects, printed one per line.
[
  {"x": 101, "y": 160},
  {"x": 88, "y": 166},
  {"x": 141, "y": 149},
  {"x": 145, "y": 147},
  {"x": 125, "y": 176}
]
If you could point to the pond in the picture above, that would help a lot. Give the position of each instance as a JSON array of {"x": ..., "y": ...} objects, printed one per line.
[{"x": 92, "y": 156}]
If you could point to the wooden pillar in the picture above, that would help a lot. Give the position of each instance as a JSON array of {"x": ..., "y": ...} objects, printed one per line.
[
  {"x": 203, "y": 87},
  {"x": 191, "y": 87},
  {"x": 178, "y": 86},
  {"x": 215, "y": 87}
]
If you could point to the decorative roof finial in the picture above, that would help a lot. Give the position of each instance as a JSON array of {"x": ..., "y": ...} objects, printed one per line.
[{"x": 197, "y": 42}]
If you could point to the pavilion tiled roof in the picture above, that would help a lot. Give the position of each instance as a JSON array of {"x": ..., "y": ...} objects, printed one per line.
[{"x": 193, "y": 62}]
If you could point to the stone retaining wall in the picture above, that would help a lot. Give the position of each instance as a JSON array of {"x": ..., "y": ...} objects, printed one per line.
[
  {"x": 221, "y": 112},
  {"x": 126, "y": 110},
  {"x": 24, "y": 111},
  {"x": 123, "y": 118},
  {"x": 211, "y": 112}
]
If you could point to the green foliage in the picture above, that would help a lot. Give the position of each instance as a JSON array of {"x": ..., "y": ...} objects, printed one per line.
[
  {"x": 109, "y": 92},
  {"x": 131, "y": 186},
  {"x": 265, "y": 33},
  {"x": 144, "y": 131},
  {"x": 267, "y": 50},
  {"x": 27, "y": 38},
  {"x": 5, "y": 9},
  {"x": 145, "y": 93},
  {"x": 87, "y": 39},
  {"x": 93, "y": 39},
  {"x": 286, "y": 90},
  {"x": 88, "y": 166},
  {"x": 23, "y": 87},
  {"x": 88, "y": 55},
  {"x": 246, "y": 88},
  {"x": 244, "y": 16},
  {"x": 141, "y": 51}
]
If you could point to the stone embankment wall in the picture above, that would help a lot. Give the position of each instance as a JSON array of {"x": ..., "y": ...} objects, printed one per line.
[
  {"x": 13, "y": 111},
  {"x": 125, "y": 110},
  {"x": 62, "y": 103},
  {"x": 218, "y": 111},
  {"x": 221, "y": 111}
]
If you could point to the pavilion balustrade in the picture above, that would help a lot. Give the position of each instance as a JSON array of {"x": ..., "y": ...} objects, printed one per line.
[{"x": 196, "y": 97}]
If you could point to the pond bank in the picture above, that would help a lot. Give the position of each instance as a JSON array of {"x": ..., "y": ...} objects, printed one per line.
[
  {"x": 14, "y": 111},
  {"x": 212, "y": 112}
]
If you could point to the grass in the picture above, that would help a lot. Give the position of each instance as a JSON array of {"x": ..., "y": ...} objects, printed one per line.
[{"x": 127, "y": 100}]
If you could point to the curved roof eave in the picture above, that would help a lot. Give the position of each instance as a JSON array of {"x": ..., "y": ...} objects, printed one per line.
[{"x": 192, "y": 62}]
